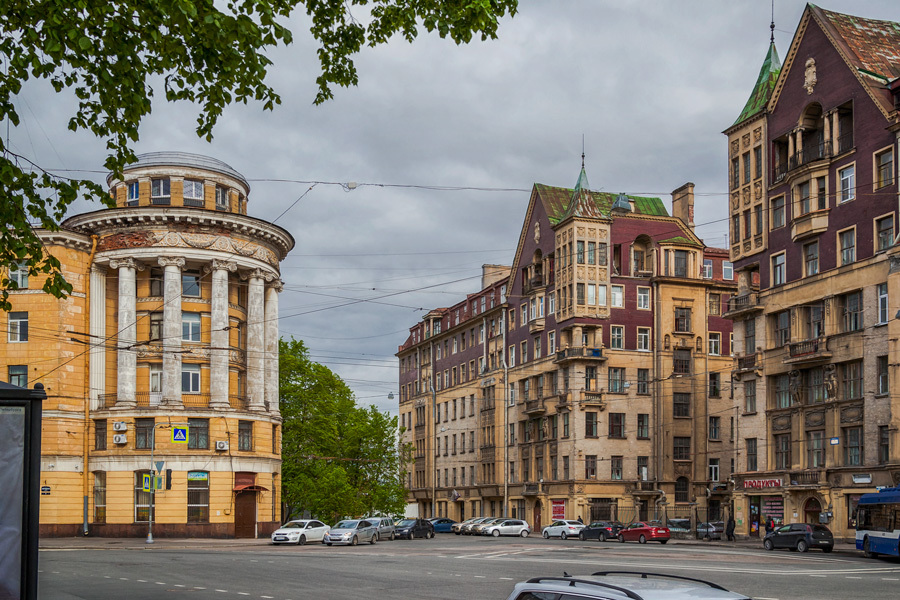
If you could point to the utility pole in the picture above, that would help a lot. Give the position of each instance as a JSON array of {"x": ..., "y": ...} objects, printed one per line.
[{"x": 153, "y": 474}]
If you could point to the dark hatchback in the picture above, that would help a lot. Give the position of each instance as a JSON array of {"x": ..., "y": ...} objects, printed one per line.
[
  {"x": 414, "y": 528},
  {"x": 800, "y": 537},
  {"x": 601, "y": 531}
]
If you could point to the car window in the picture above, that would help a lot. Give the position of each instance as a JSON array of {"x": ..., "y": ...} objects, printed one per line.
[
  {"x": 316, "y": 524},
  {"x": 821, "y": 529},
  {"x": 536, "y": 596}
]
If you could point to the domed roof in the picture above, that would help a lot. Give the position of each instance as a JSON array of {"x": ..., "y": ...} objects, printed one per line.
[{"x": 184, "y": 159}]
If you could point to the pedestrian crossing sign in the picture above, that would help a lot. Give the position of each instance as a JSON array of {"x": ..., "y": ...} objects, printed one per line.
[
  {"x": 145, "y": 481},
  {"x": 179, "y": 435}
]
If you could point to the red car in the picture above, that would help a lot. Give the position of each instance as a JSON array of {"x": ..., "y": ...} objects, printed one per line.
[{"x": 642, "y": 531}]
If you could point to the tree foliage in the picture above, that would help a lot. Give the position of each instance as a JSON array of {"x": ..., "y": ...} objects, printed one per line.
[
  {"x": 204, "y": 51},
  {"x": 338, "y": 459}
]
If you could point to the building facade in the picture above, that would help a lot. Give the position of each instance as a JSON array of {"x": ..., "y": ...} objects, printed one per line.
[
  {"x": 813, "y": 248},
  {"x": 170, "y": 332},
  {"x": 584, "y": 380}
]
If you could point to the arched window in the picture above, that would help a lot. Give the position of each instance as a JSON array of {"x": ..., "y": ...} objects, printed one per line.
[{"x": 682, "y": 487}]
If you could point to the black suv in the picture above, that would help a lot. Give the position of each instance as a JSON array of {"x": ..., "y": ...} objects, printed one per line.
[
  {"x": 800, "y": 537},
  {"x": 601, "y": 530},
  {"x": 414, "y": 528}
]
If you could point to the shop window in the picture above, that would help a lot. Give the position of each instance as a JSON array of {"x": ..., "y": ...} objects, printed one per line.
[{"x": 198, "y": 497}]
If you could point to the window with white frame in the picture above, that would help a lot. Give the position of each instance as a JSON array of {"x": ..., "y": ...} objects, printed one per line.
[
  {"x": 190, "y": 326},
  {"x": 884, "y": 168},
  {"x": 617, "y": 337},
  {"x": 134, "y": 193},
  {"x": 847, "y": 178},
  {"x": 18, "y": 327},
  {"x": 707, "y": 268},
  {"x": 778, "y": 269},
  {"x": 643, "y": 339},
  {"x": 512, "y": 356},
  {"x": 159, "y": 191},
  {"x": 601, "y": 295},
  {"x": 524, "y": 357},
  {"x": 643, "y": 298},
  {"x": 193, "y": 192},
  {"x": 618, "y": 296},
  {"x": 551, "y": 303},
  {"x": 18, "y": 274},
  {"x": 714, "y": 469},
  {"x": 882, "y": 291},
  {"x": 551, "y": 342},
  {"x": 523, "y": 311},
  {"x": 190, "y": 378},
  {"x": 884, "y": 233},
  {"x": 847, "y": 242},
  {"x": 882, "y": 372},
  {"x": 591, "y": 294},
  {"x": 537, "y": 347},
  {"x": 221, "y": 198},
  {"x": 727, "y": 271},
  {"x": 715, "y": 343}
]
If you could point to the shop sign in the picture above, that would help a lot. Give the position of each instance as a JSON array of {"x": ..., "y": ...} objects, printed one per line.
[
  {"x": 559, "y": 509},
  {"x": 762, "y": 483}
]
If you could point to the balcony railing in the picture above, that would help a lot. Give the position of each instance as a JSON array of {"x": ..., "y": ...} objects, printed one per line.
[
  {"x": 148, "y": 399},
  {"x": 810, "y": 153},
  {"x": 195, "y": 400},
  {"x": 745, "y": 363},
  {"x": 535, "y": 406},
  {"x": 239, "y": 402},
  {"x": 806, "y": 477},
  {"x": 743, "y": 302},
  {"x": 809, "y": 350},
  {"x": 579, "y": 352},
  {"x": 107, "y": 400},
  {"x": 845, "y": 142}
]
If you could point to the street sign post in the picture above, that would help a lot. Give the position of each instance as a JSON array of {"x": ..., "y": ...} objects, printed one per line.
[{"x": 182, "y": 438}]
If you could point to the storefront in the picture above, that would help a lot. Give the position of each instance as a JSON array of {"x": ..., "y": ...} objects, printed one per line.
[{"x": 762, "y": 500}]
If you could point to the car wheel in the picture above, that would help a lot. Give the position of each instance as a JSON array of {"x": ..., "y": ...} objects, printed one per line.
[
  {"x": 866, "y": 551},
  {"x": 354, "y": 541},
  {"x": 581, "y": 536},
  {"x": 431, "y": 535},
  {"x": 621, "y": 538},
  {"x": 563, "y": 535},
  {"x": 524, "y": 533},
  {"x": 301, "y": 541},
  {"x": 546, "y": 535},
  {"x": 412, "y": 534},
  {"x": 374, "y": 539},
  {"x": 642, "y": 539},
  {"x": 392, "y": 536},
  {"x": 802, "y": 546},
  {"x": 602, "y": 537},
  {"x": 769, "y": 545},
  {"x": 496, "y": 533}
]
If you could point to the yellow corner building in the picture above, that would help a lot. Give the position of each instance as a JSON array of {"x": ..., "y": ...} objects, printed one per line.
[{"x": 172, "y": 324}]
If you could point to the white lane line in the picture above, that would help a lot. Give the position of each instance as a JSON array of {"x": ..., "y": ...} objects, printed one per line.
[
  {"x": 818, "y": 575},
  {"x": 763, "y": 598},
  {"x": 197, "y": 587},
  {"x": 267, "y": 596},
  {"x": 123, "y": 579},
  {"x": 180, "y": 585},
  {"x": 160, "y": 583},
  {"x": 243, "y": 594},
  {"x": 480, "y": 576},
  {"x": 141, "y": 580},
  {"x": 506, "y": 578},
  {"x": 223, "y": 591},
  {"x": 107, "y": 577},
  {"x": 889, "y": 579},
  {"x": 849, "y": 577}
]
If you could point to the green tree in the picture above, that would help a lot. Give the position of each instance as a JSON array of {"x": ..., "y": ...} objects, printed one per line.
[
  {"x": 211, "y": 53},
  {"x": 338, "y": 458}
]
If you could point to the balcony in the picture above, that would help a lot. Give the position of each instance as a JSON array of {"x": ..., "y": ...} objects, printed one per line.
[
  {"x": 533, "y": 284},
  {"x": 810, "y": 224},
  {"x": 807, "y": 477},
  {"x": 592, "y": 395},
  {"x": 536, "y": 325},
  {"x": 195, "y": 400},
  {"x": 535, "y": 407},
  {"x": 239, "y": 402},
  {"x": 742, "y": 304},
  {"x": 531, "y": 489},
  {"x": 579, "y": 352},
  {"x": 106, "y": 400},
  {"x": 810, "y": 153},
  {"x": 148, "y": 399},
  {"x": 747, "y": 363},
  {"x": 810, "y": 351}
]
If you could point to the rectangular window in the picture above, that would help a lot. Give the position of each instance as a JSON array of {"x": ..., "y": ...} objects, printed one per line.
[
  {"x": 683, "y": 320},
  {"x": 616, "y": 380},
  {"x": 579, "y": 291},
  {"x": 750, "y": 336},
  {"x": 803, "y": 197},
  {"x": 99, "y": 434},
  {"x": 637, "y": 261},
  {"x": 245, "y": 435},
  {"x": 884, "y": 233},
  {"x": 190, "y": 283},
  {"x": 884, "y": 444},
  {"x": 18, "y": 327},
  {"x": 190, "y": 327},
  {"x": 727, "y": 270},
  {"x": 681, "y": 263},
  {"x": 643, "y": 468},
  {"x": 782, "y": 328},
  {"x": 736, "y": 228},
  {"x": 778, "y": 269},
  {"x": 198, "y": 434},
  {"x": 853, "y": 311},
  {"x": 715, "y": 385},
  {"x": 551, "y": 342},
  {"x": 590, "y": 424},
  {"x": 707, "y": 268},
  {"x": 715, "y": 428},
  {"x": 190, "y": 378},
  {"x": 811, "y": 258},
  {"x": 884, "y": 168},
  {"x": 643, "y": 426},
  {"x": 882, "y": 292},
  {"x": 847, "y": 184},
  {"x": 815, "y": 383},
  {"x": 853, "y": 446},
  {"x": 565, "y": 421},
  {"x": 524, "y": 355},
  {"x": 643, "y": 298},
  {"x": 601, "y": 295},
  {"x": 18, "y": 275},
  {"x": 618, "y": 296},
  {"x": 746, "y": 160},
  {"x": 18, "y": 375},
  {"x": 143, "y": 434},
  {"x": 141, "y": 498},
  {"x": 715, "y": 343},
  {"x": 777, "y": 209},
  {"x": 681, "y": 361},
  {"x": 617, "y": 425},
  {"x": 159, "y": 191},
  {"x": 847, "y": 241},
  {"x": 615, "y": 467},
  {"x": 99, "y": 497},
  {"x": 193, "y": 192},
  {"x": 750, "y": 396},
  {"x": 579, "y": 252},
  {"x": 681, "y": 404},
  {"x": 643, "y": 339},
  {"x": 757, "y": 162},
  {"x": 681, "y": 448},
  {"x": 221, "y": 198},
  {"x": 134, "y": 194},
  {"x": 750, "y": 444},
  {"x": 883, "y": 385},
  {"x": 537, "y": 347},
  {"x": 815, "y": 449},
  {"x": 592, "y": 253},
  {"x": 643, "y": 381},
  {"x": 523, "y": 312},
  {"x": 590, "y": 466},
  {"x": 852, "y": 380},
  {"x": 735, "y": 173},
  {"x": 782, "y": 391},
  {"x": 783, "y": 451},
  {"x": 198, "y": 497},
  {"x": 617, "y": 337}
]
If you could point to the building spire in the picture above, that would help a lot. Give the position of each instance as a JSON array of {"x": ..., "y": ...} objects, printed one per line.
[{"x": 772, "y": 25}]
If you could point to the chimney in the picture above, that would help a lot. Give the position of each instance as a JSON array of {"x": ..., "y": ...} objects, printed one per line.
[
  {"x": 683, "y": 204},
  {"x": 491, "y": 274}
]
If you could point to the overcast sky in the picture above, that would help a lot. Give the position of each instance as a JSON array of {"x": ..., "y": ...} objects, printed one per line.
[{"x": 649, "y": 84}]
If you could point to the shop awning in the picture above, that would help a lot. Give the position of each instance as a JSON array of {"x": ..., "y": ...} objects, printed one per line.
[{"x": 249, "y": 487}]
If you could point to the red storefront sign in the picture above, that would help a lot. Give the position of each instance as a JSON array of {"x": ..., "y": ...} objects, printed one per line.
[
  {"x": 762, "y": 483},
  {"x": 559, "y": 509}
]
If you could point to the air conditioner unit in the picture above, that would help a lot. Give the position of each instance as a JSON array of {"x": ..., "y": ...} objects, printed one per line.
[
  {"x": 120, "y": 438},
  {"x": 120, "y": 426},
  {"x": 222, "y": 445}
]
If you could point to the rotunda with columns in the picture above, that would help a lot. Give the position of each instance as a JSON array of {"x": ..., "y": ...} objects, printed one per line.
[{"x": 175, "y": 309}]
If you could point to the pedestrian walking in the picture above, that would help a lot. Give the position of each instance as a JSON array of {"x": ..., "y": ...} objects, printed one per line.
[
  {"x": 770, "y": 525},
  {"x": 579, "y": 520},
  {"x": 729, "y": 528}
]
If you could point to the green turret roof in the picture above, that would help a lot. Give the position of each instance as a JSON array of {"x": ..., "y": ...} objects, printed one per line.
[
  {"x": 557, "y": 201},
  {"x": 581, "y": 203},
  {"x": 765, "y": 83}
]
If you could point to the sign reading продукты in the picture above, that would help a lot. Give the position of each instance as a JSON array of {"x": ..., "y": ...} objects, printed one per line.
[{"x": 179, "y": 435}]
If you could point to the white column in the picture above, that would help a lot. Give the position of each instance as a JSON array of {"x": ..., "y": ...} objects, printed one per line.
[
  {"x": 256, "y": 339},
  {"x": 126, "y": 372},
  {"x": 271, "y": 372},
  {"x": 97, "y": 331},
  {"x": 218, "y": 336},
  {"x": 171, "y": 334}
]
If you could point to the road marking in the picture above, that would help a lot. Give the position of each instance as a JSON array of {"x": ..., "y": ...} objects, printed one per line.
[
  {"x": 123, "y": 579},
  {"x": 160, "y": 583},
  {"x": 141, "y": 580},
  {"x": 180, "y": 585},
  {"x": 818, "y": 575},
  {"x": 267, "y": 596},
  {"x": 223, "y": 591},
  {"x": 480, "y": 576},
  {"x": 889, "y": 579},
  {"x": 243, "y": 594},
  {"x": 197, "y": 587},
  {"x": 506, "y": 578},
  {"x": 849, "y": 577}
]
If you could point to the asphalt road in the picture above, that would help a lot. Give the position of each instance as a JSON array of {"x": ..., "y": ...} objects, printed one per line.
[{"x": 445, "y": 568}]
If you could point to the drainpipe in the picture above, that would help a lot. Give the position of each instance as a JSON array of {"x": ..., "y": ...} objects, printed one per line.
[
  {"x": 86, "y": 483},
  {"x": 434, "y": 437},
  {"x": 505, "y": 467}
]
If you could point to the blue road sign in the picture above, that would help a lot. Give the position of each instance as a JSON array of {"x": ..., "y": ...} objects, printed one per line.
[{"x": 179, "y": 435}]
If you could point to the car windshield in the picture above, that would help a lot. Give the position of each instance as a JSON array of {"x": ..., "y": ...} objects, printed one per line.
[
  {"x": 406, "y": 523},
  {"x": 294, "y": 525},
  {"x": 346, "y": 525}
]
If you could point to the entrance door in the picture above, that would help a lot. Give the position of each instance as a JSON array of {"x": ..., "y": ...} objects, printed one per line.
[
  {"x": 245, "y": 515},
  {"x": 811, "y": 510},
  {"x": 755, "y": 525},
  {"x": 536, "y": 525}
]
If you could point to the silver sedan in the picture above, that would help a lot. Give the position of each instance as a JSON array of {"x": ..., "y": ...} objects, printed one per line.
[
  {"x": 507, "y": 527},
  {"x": 352, "y": 532}
]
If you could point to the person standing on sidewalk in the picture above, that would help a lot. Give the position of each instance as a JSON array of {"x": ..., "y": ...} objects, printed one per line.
[{"x": 729, "y": 528}]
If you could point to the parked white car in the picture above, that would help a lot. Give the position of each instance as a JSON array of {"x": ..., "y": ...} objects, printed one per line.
[
  {"x": 562, "y": 529},
  {"x": 299, "y": 532},
  {"x": 507, "y": 527}
]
